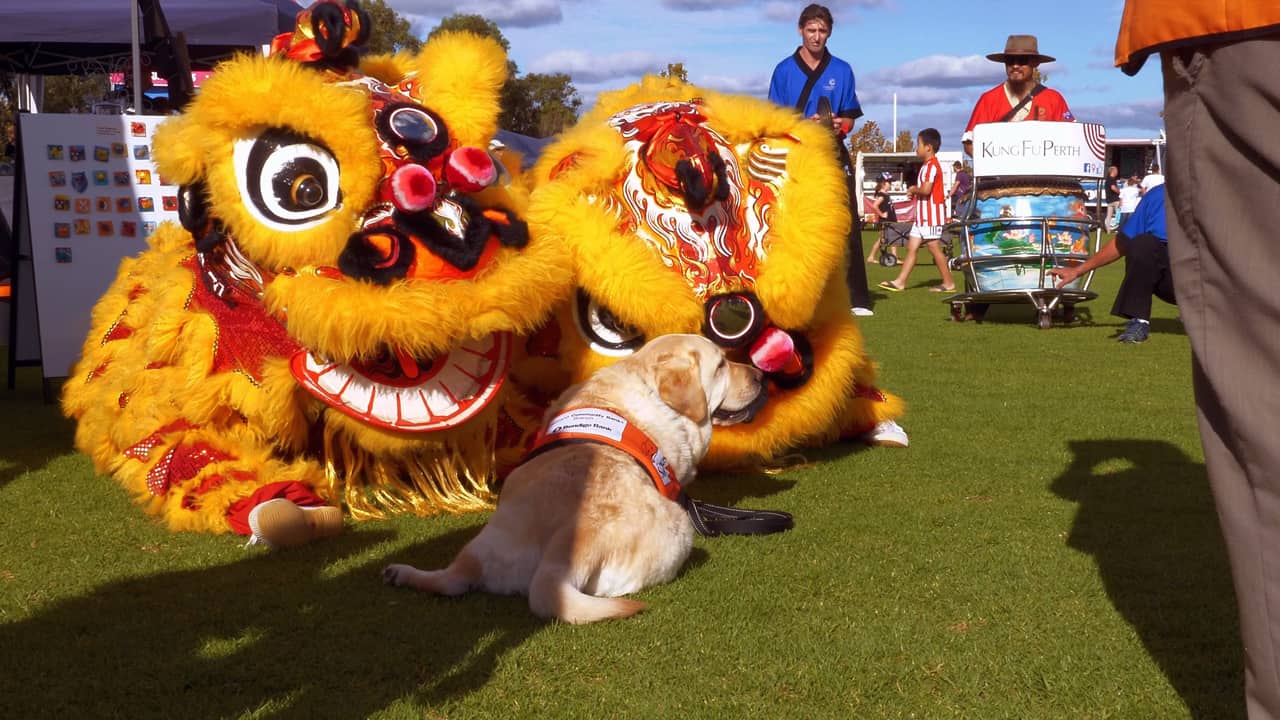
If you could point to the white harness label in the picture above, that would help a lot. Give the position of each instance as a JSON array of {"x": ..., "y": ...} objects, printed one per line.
[{"x": 589, "y": 421}]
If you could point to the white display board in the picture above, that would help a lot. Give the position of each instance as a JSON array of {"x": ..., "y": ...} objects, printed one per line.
[
  {"x": 93, "y": 195},
  {"x": 1040, "y": 148}
]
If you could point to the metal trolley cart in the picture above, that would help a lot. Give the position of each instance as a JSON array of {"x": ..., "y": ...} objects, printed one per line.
[{"x": 1028, "y": 213}]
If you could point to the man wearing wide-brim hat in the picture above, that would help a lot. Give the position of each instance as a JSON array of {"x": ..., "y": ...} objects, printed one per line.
[{"x": 1020, "y": 96}]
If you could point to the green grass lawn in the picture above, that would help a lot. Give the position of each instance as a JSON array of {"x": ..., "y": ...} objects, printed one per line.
[{"x": 1046, "y": 548}]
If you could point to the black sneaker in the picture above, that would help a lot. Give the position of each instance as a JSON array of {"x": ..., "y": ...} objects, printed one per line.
[{"x": 1135, "y": 332}]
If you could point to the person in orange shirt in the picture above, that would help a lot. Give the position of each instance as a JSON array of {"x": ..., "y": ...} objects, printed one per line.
[
  {"x": 1020, "y": 96},
  {"x": 1222, "y": 108}
]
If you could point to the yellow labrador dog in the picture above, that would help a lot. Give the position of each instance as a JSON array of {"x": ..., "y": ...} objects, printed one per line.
[{"x": 591, "y": 514}]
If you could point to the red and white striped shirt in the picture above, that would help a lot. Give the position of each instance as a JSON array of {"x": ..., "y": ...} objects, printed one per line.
[{"x": 931, "y": 211}]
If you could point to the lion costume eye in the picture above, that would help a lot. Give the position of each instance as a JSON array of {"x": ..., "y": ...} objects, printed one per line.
[
  {"x": 602, "y": 331},
  {"x": 420, "y": 132},
  {"x": 290, "y": 181}
]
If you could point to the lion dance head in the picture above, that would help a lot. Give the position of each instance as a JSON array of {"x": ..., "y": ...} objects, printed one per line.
[
  {"x": 694, "y": 211},
  {"x": 339, "y": 304}
]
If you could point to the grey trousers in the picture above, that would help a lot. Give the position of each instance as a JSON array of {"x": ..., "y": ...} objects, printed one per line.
[{"x": 1222, "y": 115}]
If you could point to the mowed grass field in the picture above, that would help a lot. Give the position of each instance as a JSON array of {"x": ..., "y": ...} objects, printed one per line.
[{"x": 1046, "y": 548}]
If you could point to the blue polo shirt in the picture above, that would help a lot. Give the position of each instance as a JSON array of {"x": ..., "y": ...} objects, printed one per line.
[
  {"x": 1148, "y": 217},
  {"x": 834, "y": 81}
]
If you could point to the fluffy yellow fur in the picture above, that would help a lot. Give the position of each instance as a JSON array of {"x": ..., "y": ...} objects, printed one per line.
[
  {"x": 463, "y": 73},
  {"x": 800, "y": 281},
  {"x": 150, "y": 380}
]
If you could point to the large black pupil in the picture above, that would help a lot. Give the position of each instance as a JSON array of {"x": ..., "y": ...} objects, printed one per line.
[
  {"x": 299, "y": 185},
  {"x": 731, "y": 317},
  {"x": 608, "y": 320},
  {"x": 310, "y": 193},
  {"x": 413, "y": 126}
]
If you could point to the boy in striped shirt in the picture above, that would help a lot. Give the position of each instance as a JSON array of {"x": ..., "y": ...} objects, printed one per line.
[{"x": 931, "y": 215}]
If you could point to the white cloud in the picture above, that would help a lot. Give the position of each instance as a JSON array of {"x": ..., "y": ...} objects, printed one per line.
[
  {"x": 883, "y": 95},
  {"x": 842, "y": 11},
  {"x": 695, "y": 5},
  {"x": 941, "y": 71},
  {"x": 1133, "y": 115},
  {"x": 757, "y": 84},
  {"x": 587, "y": 68},
  {"x": 507, "y": 13}
]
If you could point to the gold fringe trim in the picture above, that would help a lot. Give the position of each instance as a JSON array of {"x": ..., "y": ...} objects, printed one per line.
[
  {"x": 988, "y": 189},
  {"x": 452, "y": 478}
]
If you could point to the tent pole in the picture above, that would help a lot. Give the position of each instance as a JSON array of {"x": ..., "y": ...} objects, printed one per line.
[{"x": 137, "y": 57}]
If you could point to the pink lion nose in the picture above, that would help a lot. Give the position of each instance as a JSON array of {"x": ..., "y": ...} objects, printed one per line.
[
  {"x": 470, "y": 169},
  {"x": 413, "y": 189}
]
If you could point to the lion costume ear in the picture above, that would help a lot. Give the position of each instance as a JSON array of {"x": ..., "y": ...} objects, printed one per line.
[
  {"x": 178, "y": 150},
  {"x": 680, "y": 386},
  {"x": 460, "y": 76}
]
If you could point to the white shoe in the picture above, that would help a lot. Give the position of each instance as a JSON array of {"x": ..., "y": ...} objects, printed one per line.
[
  {"x": 861, "y": 312},
  {"x": 280, "y": 523},
  {"x": 888, "y": 434}
]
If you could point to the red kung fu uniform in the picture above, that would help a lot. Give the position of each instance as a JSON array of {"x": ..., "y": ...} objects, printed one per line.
[{"x": 995, "y": 103}]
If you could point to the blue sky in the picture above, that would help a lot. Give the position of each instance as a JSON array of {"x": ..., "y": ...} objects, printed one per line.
[{"x": 930, "y": 52}]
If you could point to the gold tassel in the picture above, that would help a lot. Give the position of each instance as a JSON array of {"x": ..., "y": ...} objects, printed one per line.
[{"x": 452, "y": 478}]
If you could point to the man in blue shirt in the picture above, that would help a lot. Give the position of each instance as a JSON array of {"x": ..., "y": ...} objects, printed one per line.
[
  {"x": 800, "y": 81},
  {"x": 1143, "y": 243},
  {"x": 812, "y": 72}
]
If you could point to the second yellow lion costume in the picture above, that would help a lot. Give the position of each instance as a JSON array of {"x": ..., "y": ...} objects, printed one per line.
[{"x": 691, "y": 211}]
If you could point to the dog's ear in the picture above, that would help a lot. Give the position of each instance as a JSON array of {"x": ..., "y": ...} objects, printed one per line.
[{"x": 680, "y": 386}]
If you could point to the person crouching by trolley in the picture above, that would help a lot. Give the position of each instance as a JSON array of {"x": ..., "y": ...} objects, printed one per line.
[{"x": 1143, "y": 242}]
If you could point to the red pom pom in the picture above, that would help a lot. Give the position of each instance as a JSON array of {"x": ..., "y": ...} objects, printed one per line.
[
  {"x": 413, "y": 189},
  {"x": 470, "y": 170}
]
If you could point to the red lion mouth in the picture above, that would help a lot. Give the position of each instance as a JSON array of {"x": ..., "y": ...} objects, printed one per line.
[{"x": 399, "y": 392}]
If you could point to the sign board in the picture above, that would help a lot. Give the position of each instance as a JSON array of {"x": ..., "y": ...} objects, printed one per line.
[
  {"x": 93, "y": 195},
  {"x": 1040, "y": 148}
]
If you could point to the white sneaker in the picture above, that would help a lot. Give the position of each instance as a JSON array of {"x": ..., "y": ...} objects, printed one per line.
[
  {"x": 280, "y": 523},
  {"x": 861, "y": 312},
  {"x": 888, "y": 434}
]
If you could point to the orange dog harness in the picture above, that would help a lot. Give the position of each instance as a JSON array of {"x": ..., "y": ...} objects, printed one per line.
[{"x": 591, "y": 424}]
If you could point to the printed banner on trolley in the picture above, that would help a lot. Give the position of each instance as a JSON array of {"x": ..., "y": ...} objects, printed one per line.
[{"x": 1040, "y": 148}]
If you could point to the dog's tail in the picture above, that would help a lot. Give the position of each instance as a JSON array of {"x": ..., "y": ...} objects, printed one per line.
[{"x": 551, "y": 595}]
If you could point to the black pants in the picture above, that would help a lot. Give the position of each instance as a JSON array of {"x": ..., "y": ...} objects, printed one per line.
[
  {"x": 1146, "y": 273},
  {"x": 856, "y": 276}
]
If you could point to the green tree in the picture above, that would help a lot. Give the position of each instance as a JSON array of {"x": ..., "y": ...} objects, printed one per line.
[
  {"x": 536, "y": 104},
  {"x": 675, "y": 71},
  {"x": 475, "y": 24},
  {"x": 868, "y": 138},
  {"x": 391, "y": 32},
  {"x": 8, "y": 101},
  {"x": 74, "y": 93},
  {"x": 542, "y": 104}
]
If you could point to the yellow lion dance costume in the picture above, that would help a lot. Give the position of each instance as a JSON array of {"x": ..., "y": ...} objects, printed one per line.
[
  {"x": 690, "y": 211},
  {"x": 334, "y": 321}
]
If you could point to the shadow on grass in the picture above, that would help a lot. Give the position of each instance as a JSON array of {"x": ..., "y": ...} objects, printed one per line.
[
  {"x": 275, "y": 635},
  {"x": 39, "y": 432},
  {"x": 732, "y": 487},
  {"x": 1146, "y": 515}
]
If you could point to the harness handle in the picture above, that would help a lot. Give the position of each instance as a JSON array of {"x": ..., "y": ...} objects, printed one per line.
[{"x": 715, "y": 520}]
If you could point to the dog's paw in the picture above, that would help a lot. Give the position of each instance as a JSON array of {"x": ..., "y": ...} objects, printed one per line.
[{"x": 397, "y": 575}]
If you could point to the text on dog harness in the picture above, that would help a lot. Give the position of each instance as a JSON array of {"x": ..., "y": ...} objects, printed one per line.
[{"x": 587, "y": 424}]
